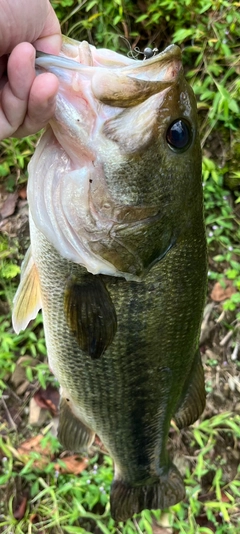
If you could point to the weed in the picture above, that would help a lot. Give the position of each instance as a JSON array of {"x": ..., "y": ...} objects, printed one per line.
[{"x": 81, "y": 503}]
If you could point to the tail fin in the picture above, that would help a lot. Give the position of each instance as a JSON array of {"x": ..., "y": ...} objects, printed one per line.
[{"x": 127, "y": 500}]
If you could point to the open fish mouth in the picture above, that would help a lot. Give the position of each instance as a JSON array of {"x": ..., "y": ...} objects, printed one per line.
[
  {"x": 125, "y": 83},
  {"x": 103, "y": 95}
]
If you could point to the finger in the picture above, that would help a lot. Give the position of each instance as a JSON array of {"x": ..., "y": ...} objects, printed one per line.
[
  {"x": 41, "y": 104},
  {"x": 27, "y": 20},
  {"x": 14, "y": 95},
  {"x": 50, "y": 39}
]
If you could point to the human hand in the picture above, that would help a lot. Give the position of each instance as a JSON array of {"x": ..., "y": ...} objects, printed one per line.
[{"x": 27, "y": 101}]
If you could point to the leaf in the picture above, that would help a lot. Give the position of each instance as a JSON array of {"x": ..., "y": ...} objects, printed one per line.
[
  {"x": 21, "y": 509},
  {"x": 9, "y": 205},
  {"x": 219, "y": 293},
  {"x": 34, "y": 444},
  {"x": 182, "y": 34},
  {"x": 71, "y": 464},
  {"x": 48, "y": 398}
]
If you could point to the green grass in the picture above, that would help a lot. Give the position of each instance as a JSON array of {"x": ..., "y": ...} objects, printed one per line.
[{"x": 81, "y": 503}]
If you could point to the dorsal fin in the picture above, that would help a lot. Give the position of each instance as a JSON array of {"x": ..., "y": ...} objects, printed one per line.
[{"x": 27, "y": 301}]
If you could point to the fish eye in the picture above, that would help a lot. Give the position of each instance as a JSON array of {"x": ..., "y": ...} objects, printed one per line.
[{"x": 179, "y": 135}]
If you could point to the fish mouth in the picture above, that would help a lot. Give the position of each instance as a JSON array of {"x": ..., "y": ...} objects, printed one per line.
[{"x": 122, "y": 86}]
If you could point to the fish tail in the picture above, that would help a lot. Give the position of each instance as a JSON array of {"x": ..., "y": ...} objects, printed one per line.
[{"x": 127, "y": 500}]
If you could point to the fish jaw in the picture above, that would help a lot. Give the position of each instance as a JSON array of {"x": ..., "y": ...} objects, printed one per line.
[
  {"x": 92, "y": 93},
  {"x": 120, "y": 83}
]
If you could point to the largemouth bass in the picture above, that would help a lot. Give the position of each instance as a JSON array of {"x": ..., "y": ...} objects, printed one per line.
[{"x": 118, "y": 262}]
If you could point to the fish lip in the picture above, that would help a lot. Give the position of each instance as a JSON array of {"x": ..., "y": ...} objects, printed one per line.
[
  {"x": 119, "y": 86},
  {"x": 163, "y": 67},
  {"x": 171, "y": 53}
]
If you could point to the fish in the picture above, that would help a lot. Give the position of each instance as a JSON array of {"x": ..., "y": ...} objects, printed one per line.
[{"x": 118, "y": 262}]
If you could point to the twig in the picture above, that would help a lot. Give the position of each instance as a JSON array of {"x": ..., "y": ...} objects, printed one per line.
[
  {"x": 10, "y": 419},
  {"x": 226, "y": 338},
  {"x": 235, "y": 352},
  {"x": 137, "y": 526}
]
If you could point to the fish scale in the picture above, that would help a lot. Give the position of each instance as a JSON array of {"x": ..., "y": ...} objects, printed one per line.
[
  {"x": 118, "y": 262},
  {"x": 94, "y": 383}
]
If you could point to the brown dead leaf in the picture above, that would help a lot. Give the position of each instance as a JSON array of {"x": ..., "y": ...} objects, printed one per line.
[
  {"x": 34, "y": 445},
  {"x": 9, "y": 205},
  {"x": 224, "y": 497},
  {"x": 48, "y": 399},
  {"x": 33, "y": 518},
  {"x": 21, "y": 509},
  {"x": 73, "y": 464},
  {"x": 22, "y": 193},
  {"x": 219, "y": 293},
  {"x": 19, "y": 373}
]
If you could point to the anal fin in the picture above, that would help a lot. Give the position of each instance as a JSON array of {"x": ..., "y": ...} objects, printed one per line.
[
  {"x": 193, "y": 400},
  {"x": 72, "y": 433},
  {"x": 27, "y": 301}
]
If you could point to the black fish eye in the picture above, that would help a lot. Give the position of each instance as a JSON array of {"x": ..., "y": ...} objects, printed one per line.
[{"x": 179, "y": 135}]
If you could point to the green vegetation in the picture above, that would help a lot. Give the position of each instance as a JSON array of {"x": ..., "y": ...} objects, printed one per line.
[
  {"x": 57, "y": 502},
  {"x": 81, "y": 503}
]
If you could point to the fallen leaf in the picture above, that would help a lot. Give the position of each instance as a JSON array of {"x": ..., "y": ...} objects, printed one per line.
[
  {"x": 34, "y": 445},
  {"x": 20, "y": 390},
  {"x": 22, "y": 193},
  {"x": 9, "y": 205},
  {"x": 48, "y": 398},
  {"x": 73, "y": 464},
  {"x": 21, "y": 509},
  {"x": 19, "y": 373},
  {"x": 219, "y": 293},
  {"x": 224, "y": 497}
]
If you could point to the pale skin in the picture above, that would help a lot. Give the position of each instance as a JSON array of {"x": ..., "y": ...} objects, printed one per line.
[{"x": 27, "y": 101}]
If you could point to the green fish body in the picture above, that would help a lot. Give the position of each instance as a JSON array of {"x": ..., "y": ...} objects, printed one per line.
[{"x": 118, "y": 262}]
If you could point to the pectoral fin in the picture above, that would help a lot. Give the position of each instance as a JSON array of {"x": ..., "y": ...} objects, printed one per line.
[
  {"x": 90, "y": 315},
  {"x": 73, "y": 434},
  {"x": 27, "y": 301},
  {"x": 192, "y": 402}
]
